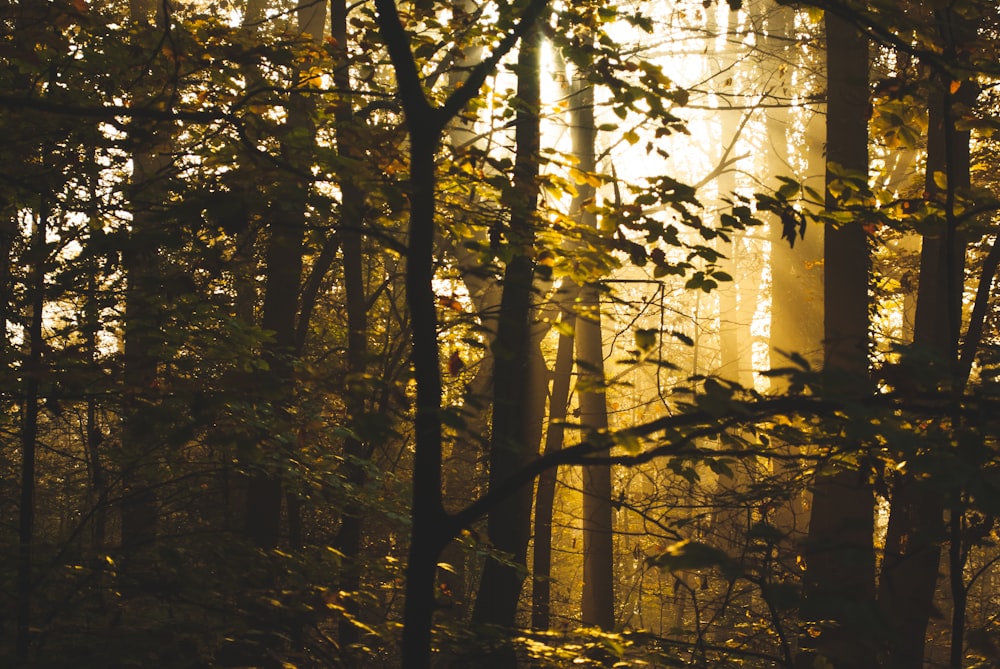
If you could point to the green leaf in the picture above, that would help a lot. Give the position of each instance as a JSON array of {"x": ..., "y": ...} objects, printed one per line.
[
  {"x": 682, "y": 337},
  {"x": 788, "y": 189},
  {"x": 564, "y": 328},
  {"x": 687, "y": 555},
  {"x": 720, "y": 468},
  {"x": 645, "y": 338}
]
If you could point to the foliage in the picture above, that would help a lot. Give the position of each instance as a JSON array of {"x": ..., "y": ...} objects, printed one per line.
[{"x": 207, "y": 133}]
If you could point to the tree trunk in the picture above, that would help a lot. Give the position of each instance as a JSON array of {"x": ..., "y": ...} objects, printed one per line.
[
  {"x": 839, "y": 553},
  {"x": 348, "y": 540},
  {"x": 513, "y": 441},
  {"x": 283, "y": 263},
  {"x": 139, "y": 505},
  {"x": 428, "y": 535},
  {"x": 796, "y": 271},
  {"x": 916, "y": 526},
  {"x": 541, "y": 566},
  {"x": 29, "y": 435},
  {"x": 94, "y": 436},
  {"x": 598, "y": 598}
]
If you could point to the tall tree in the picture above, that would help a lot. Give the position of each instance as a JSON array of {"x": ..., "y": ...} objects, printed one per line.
[
  {"x": 511, "y": 447},
  {"x": 916, "y": 526},
  {"x": 141, "y": 262},
  {"x": 288, "y": 220},
  {"x": 32, "y": 376},
  {"x": 839, "y": 553},
  {"x": 431, "y": 527},
  {"x": 349, "y": 536},
  {"x": 598, "y": 601}
]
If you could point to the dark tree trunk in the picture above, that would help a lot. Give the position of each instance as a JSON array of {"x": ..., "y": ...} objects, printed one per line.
[
  {"x": 431, "y": 527},
  {"x": 916, "y": 528},
  {"x": 141, "y": 262},
  {"x": 348, "y": 540},
  {"x": 513, "y": 441},
  {"x": 94, "y": 435},
  {"x": 427, "y": 512},
  {"x": 839, "y": 552},
  {"x": 29, "y": 435},
  {"x": 283, "y": 263}
]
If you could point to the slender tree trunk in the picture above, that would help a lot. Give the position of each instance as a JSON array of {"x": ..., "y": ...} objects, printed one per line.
[
  {"x": 729, "y": 523},
  {"x": 541, "y": 605},
  {"x": 348, "y": 540},
  {"x": 916, "y": 527},
  {"x": 94, "y": 436},
  {"x": 429, "y": 519},
  {"x": 139, "y": 505},
  {"x": 283, "y": 261},
  {"x": 598, "y": 599},
  {"x": 29, "y": 436},
  {"x": 511, "y": 445},
  {"x": 8, "y": 232},
  {"x": 796, "y": 271},
  {"x": 839, "y": 552},
  {"x": 430, "y": 531},
  {"x": 141, "y": 261}
]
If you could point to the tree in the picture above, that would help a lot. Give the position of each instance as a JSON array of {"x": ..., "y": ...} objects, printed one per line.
[
  {"x": 287, "y": 214},
  {"x": 352, "y": 219},
  {"x": 513, "y": 441},
  {"x": 140, "y": 260},
  {"x": 840, "y": 562},
  {"x": 205, "y": 227},
  {"x": 916, "y": 528},
  {"x": 598, "y": 559},
  {"x": 432, "y": 529}
]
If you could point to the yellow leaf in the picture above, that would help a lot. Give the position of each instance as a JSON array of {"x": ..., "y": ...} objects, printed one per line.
[{"x": 954, "y": 86}]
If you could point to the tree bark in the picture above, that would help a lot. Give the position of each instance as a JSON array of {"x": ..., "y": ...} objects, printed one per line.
[
  {"x": 348, "y": 539},
  {"x": 428, "y": 518},
  {"x": 283, "y": 263},
  {"x": 597, "y": 603},
  {"x": 839, "y": 552},
  {"x": 513, "y": 440},
  {"x": 916, "y": 528},
  {"x": 29, "y": 436},
  {"x": 541, "y": 566},
  {"x": 141, "y": 262}
]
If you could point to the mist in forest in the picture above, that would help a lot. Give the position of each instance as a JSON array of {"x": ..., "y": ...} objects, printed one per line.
[{"x": 430, "y": 334}]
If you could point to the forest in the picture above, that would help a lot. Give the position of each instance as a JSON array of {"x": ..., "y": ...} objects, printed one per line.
[{"x": 499, "y": 333}]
